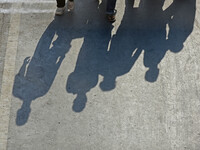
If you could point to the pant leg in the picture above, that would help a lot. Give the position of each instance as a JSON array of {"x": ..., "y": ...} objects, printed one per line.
[
  {"x": 60, "y": 3},
  {"x": 111, "y": 6}
]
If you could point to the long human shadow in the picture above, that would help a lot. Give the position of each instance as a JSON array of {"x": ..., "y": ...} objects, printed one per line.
[
  {"x": 144, "y": 29},
  {"x": 141, "y": 29},
  {"x": 38, "y": 72},
  {"x": 91, "y": 57},
  {"x": 179, "y": 17}
]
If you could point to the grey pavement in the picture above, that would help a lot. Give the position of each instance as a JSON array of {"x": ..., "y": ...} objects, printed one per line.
[{"x": 78, "y": 82}]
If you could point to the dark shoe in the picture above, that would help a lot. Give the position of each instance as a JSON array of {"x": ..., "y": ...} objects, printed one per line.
[{"x": 111, "y": 17}]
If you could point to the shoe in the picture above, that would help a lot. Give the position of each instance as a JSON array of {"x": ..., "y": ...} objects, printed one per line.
[
  {"x": 60, "y": 10},
  {"x": 70, "y": 5},
  {"x": 111, "y": 17}
]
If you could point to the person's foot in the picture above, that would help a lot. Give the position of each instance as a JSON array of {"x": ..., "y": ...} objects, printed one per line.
[
  {"x": 111, "y": 16},
  {"x": 70, "y": 5},
  {"x": 60, "y": 10}
]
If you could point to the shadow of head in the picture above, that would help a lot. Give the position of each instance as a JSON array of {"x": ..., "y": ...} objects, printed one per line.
[
  {"x": 108, "y": 83},
  {"x": 152, "y": 74},
  {"x": 79, "y": 102},
  {"x": 23, "y": 114}
]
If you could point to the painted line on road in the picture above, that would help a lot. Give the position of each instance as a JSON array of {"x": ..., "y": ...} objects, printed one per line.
[
  {"x": 25, "y": 11},
  {"x": 8, "y": 76},
  {"x": 136, "y": 3},
  {"x": 27, "y": 1}
]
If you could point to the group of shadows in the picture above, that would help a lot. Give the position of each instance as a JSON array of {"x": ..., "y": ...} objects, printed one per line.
[{"x": 141, "y": 29}]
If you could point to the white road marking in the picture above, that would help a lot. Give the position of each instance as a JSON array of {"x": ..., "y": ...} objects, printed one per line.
[
  {"x": 8, "y": 76},
  {"x": 27, "y": 1},
  {"x": 136, "y": 4},
  {"x": 25, "y": 11}
]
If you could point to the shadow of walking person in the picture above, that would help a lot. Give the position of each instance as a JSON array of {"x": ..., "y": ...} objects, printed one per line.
[
  {"x": 37, "y": 73},
  {"x": 181, "y": 23},
  {"x": 124, "y": 49},
  {"x": 97, "y": 35},
  {"x": 154, "y": 35},
  {"x": 159, "y": 42},
  {"x": 144, "y": 29}
]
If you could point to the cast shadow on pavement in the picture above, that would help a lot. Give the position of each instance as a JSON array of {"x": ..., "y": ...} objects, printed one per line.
[
  {"x": 141, "y": 29},
  {"x": 38, "y": 72},
  {"x": 144, "y": 29}
]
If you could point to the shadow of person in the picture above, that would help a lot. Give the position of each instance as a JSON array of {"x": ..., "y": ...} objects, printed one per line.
[
  {"x": 159, "y": 42},
  {"x": 154, "y": 36},
  {"x": 181, "y": 23},
  {"x": 144, "y": 29},
  {"x": 124, "y": 49},
  {"x": 92, "y": 55},
  {"x": 37, "y": 73}
]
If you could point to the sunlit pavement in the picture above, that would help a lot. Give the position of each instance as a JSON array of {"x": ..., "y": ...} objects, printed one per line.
[{"x": 78, "y": 82}]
